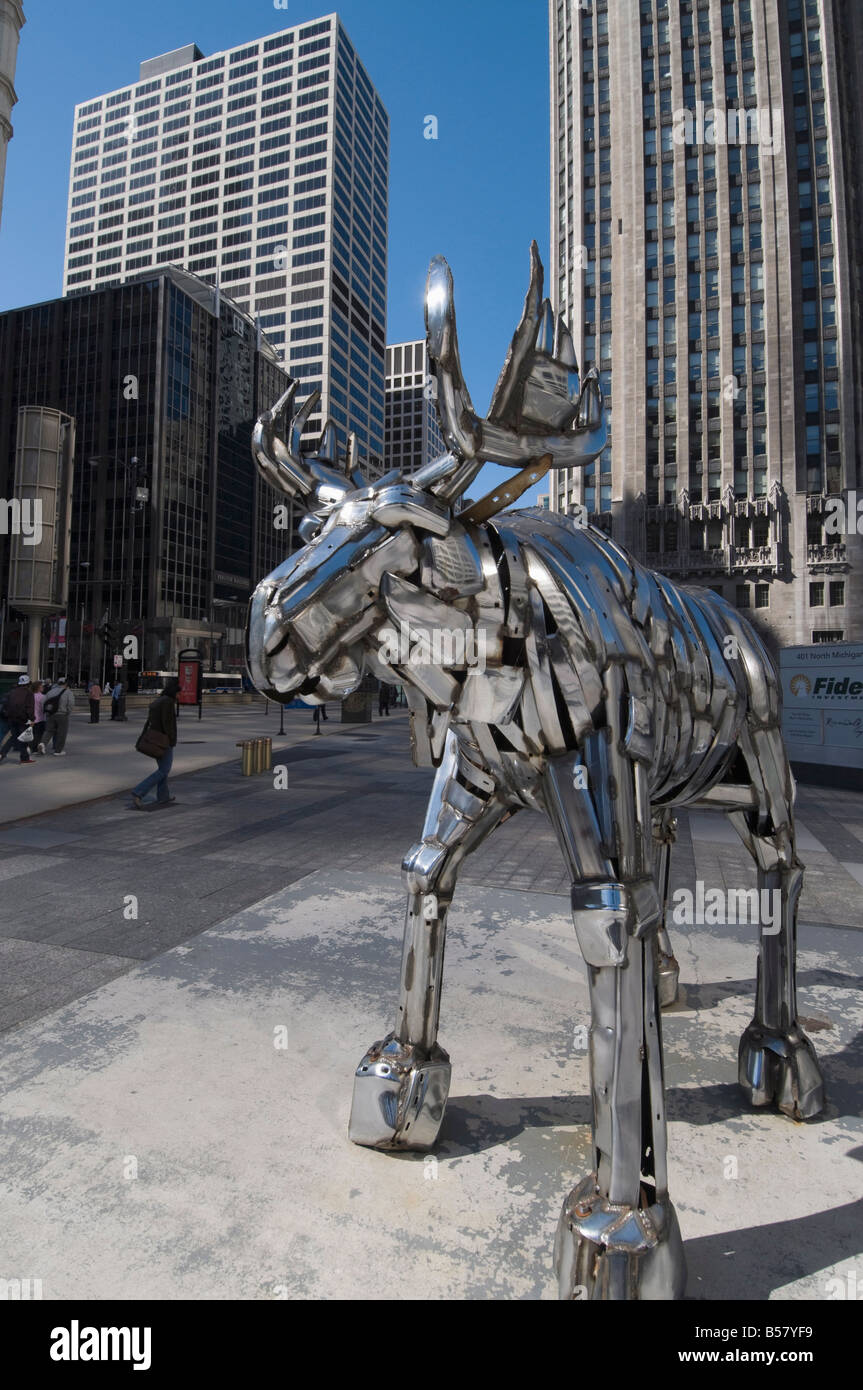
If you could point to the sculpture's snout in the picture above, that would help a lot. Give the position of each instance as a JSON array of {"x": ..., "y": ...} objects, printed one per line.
[{"x": 272, "y": 658}]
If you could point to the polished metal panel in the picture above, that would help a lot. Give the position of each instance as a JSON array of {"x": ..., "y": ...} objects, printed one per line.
[{"x": 544, "y": 668}]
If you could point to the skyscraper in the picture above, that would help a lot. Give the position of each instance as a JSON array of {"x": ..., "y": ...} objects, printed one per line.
[
  {"x": 265, "y": 168},
  {"x": 412, "y": 435},
  {"x": 707, "y": 174},
  {"x": 12, "y": 22}
]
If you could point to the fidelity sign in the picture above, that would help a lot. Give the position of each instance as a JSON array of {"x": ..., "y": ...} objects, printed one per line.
[{"x": 822, "y": 696}]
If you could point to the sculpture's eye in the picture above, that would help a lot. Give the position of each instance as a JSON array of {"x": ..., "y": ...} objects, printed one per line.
[{"x": 309, "y": 528}]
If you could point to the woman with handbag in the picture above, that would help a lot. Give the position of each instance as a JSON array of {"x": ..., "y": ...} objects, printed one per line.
[{"x": 158, "y": 740}]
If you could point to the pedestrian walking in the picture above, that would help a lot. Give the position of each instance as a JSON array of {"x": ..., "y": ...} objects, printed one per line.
[
  {"x": 117, "y": 702},
  {"x": 95, "y": 697},
  {"x": 19, "y": 711},
  {"x": 158, "y": 740},
  {"x": 39, "y": 717},
  {"x": 384, "y": 699},
  {"x": 58, "y": 707}
]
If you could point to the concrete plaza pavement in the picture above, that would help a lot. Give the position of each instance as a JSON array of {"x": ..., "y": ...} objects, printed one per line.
[
  {"x": 177, "y": 1086},
  {"x": 101, "y": 758}
]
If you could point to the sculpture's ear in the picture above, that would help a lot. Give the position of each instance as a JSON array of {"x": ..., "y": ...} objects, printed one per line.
[{"x": 400, "y": 505}]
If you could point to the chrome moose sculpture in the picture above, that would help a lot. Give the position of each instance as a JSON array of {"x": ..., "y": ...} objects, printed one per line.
[{"x": 605, "y": 697}]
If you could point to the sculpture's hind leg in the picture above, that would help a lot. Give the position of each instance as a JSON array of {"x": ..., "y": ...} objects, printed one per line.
[
  {"x": 777, "y": 1062},
  {"x": 667, "y": 968},
  {"x": 402, "y": 1083},
  {"x": 618, "y": 1236}
]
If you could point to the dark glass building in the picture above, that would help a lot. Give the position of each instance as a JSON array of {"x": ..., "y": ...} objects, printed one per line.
[{"x": 171, "y": 525}]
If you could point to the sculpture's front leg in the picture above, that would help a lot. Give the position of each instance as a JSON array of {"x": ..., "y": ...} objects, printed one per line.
[
  {"x": 402, "y": 1083},
  {"x": 618, "y": 1236}
]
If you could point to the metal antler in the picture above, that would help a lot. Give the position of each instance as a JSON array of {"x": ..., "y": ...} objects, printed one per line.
[
  {"x": 537, "y": 407},
  {"x": 313, "y": 480}
]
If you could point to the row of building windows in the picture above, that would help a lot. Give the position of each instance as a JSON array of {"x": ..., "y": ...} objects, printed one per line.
[{"x": 238, "y": 66}]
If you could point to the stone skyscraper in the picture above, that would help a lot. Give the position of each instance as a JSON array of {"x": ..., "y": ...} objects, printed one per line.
[
  {"x": 12, "y": 22},
  {"x": 707, "y": 178},
  {"x": 264, "y": 167}
]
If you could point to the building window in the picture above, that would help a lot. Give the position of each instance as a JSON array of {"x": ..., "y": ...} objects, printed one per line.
[
  {"x": 816, "y": 595},
  {"x": 762, "y": 595},
  {"x": 837, "y": 593},
  {"x": 742, "y": 596},
  {"x": 828, "y": 634}
]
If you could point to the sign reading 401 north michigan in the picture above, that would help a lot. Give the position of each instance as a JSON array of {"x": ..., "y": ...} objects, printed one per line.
[{"x": 822, "y": 695}]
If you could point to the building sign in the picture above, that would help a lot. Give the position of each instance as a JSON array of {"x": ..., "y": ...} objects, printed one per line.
[
  {"x": 241, "y": 580},
  {"x": 822, "y": 702}
]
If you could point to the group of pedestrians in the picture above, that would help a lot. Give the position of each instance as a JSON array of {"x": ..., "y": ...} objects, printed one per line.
[
  {"x": 35, "y": 713},
  {"x": 30, "y": 714},
  {"x": 117, "y": 692}
]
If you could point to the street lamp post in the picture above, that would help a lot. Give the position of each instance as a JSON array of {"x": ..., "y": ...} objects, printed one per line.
[{"x": 84, "y": 565}]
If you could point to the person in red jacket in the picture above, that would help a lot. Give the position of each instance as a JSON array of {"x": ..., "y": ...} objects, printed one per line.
[{"x": 95, "y": 696}]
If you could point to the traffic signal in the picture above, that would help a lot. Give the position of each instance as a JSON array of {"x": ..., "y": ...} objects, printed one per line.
[{"x": 109, "y": 633}]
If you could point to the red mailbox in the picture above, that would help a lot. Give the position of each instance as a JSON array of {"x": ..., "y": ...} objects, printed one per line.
[{"x": 191, "y": 679}]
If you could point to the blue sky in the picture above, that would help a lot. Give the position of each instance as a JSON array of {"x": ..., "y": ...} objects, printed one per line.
[{"x": 477, "y": 194}]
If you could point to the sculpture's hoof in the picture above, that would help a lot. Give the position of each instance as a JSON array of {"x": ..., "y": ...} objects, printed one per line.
[
  {"x": 667, "y": 977},
  {"x": 616, "y": 1253},
  {"x": 781, "y": 1069},
  {"x": 400, "y": 1094}
]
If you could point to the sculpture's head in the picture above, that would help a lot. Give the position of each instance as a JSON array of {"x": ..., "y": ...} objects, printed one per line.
[{"x": 313, "y": 621}]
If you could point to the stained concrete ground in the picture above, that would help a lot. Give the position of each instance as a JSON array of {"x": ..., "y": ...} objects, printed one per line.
[{"x": 176, "y": 1087}]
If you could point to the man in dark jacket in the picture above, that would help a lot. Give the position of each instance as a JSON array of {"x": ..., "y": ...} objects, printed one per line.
[
  {"x": 19, "y": 710},
  {"x": 161, "y": 718}
]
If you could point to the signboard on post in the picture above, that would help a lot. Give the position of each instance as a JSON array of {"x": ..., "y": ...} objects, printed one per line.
[
  {"x": 822, "y": 703},
  {"x": 191, "y": 678},
  {"x": 118, "y": 662}
]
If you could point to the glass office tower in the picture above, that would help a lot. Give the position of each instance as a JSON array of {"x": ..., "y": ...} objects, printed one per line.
[{"x": 264, "y": 169}]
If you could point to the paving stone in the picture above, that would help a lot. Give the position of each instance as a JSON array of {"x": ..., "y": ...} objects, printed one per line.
[{"x": 352, "y": 800}]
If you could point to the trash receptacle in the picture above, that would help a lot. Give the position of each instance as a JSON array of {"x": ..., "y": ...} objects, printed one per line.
[{"x": 357, "y": 707}]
